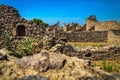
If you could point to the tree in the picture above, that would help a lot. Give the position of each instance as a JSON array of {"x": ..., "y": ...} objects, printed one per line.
[
  {"x": 37, "y": 21},
  {"x": 40, "y": 22}
]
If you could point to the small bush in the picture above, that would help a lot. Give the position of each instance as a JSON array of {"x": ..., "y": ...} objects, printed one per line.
[
  {"x": 7, "y": 42},
  {"x": 25, "y": 47}
]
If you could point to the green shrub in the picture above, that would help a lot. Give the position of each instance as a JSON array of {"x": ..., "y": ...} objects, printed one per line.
[
  {"x": 7, "y": 42},
  {"x": 25, "y": 47}
]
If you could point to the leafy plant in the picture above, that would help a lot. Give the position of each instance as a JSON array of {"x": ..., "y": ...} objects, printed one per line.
[
  {"x": 7, "y": 42},
  {"x": 25, "y": 47}
]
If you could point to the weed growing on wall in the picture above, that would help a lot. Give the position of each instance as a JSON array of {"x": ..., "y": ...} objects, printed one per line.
[{"x": 7, "y": 42}]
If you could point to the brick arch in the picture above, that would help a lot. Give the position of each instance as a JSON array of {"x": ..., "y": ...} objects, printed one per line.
[{"x": 20, "y": 30}]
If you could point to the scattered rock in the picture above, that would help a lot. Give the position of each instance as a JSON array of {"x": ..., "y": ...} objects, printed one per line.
[
  {"x": 4, "y": 54},
  {"x": 48, "y": 42}
]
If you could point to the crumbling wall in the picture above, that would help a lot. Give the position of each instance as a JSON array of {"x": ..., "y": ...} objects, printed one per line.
[
  {"x": 91, "y": 22},
  {"x": 114, "y": 36},
  {"x": 107, "y": 25},
  {"x": 71, "y": 27},
  {"x": 10, "y": 20},
  {"x": 53, "y": 27},
  {"x": 90, "y": 36}
]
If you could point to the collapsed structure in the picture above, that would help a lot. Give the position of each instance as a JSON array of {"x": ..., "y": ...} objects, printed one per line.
[
  {"x": 51, "y": 58},
  {"x": 93, "y": 31}
]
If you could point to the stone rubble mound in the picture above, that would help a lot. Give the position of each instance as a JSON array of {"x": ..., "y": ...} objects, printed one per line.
[{"x": 53, "y": 44}]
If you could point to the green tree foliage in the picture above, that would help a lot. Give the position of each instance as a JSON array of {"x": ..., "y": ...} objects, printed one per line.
[
  {"x": 40, "y": 22},
  {"x": 37, "y": 21},
  {"x": 25, "y": 47}
]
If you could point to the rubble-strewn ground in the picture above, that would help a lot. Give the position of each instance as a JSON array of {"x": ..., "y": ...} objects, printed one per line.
[
  {"x": 111, "y": 63},
  {"x": 50, "y": 63},
  {"x": 73, "y": 69}
]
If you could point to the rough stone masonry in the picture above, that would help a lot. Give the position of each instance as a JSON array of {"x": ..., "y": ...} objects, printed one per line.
[{"x": 17, "y": 27}]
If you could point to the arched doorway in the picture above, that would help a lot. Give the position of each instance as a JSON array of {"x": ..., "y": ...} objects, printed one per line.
[{"x": 20, "y": 31}]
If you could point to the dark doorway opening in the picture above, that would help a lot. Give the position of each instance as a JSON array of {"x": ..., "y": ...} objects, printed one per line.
[{"x": 20, "y": 30}]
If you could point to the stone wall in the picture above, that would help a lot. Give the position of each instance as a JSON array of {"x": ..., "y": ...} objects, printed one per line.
[
  {"x": 114, "y": 36},
  {"x": 111, "y": 52},
  {"x": 110, "y": 37},
  {"x": 90, "y": 36},
  {"x": 107, "y": 25}
]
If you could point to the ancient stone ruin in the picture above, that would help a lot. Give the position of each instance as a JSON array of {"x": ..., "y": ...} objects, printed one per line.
[
  {"x": 13, "y": 24},
  {"x": 93, "y": 31},
  {"x": 53, "y": 27},
  {"x": 71, "y": 27},
  {"x": 52, "y": 59}
]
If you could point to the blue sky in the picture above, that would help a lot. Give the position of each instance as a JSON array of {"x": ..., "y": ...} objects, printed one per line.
[{"x": 66, "y": 11}]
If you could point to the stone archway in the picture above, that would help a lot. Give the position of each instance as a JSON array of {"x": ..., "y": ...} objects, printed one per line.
[{"x": 20, "y": 31}]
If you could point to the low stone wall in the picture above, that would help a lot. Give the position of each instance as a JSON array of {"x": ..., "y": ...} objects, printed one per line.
[
  {"x": 92, "y": 36},
  {"x": 111, "y": 52}
]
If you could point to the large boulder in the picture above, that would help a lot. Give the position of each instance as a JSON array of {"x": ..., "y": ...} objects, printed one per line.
[
  {"x": 42, "y": 61},
  {"x": 38, "y": 62},
  {"x": 57, "y": 61}
]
